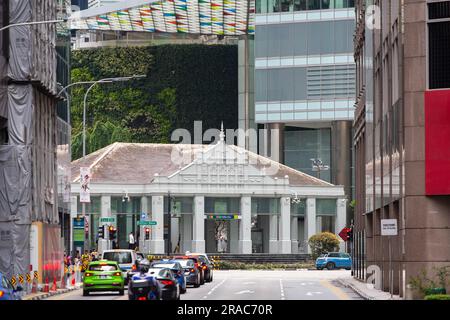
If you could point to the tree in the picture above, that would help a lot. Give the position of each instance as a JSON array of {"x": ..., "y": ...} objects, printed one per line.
[{"x": 322, "y": 243}]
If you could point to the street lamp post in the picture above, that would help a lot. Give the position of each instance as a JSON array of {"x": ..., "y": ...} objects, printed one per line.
[
  {"x": 317, "y": 165},
  {"x": 105, "y": 80},
  {"x": 31, "y": 23}
]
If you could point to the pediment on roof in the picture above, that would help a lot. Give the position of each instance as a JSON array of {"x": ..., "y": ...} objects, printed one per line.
[{"x": 224, "y": 164}]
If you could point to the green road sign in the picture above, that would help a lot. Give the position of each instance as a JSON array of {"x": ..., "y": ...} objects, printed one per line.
[
  {"x": 146, "y": 223},
  {"x": 107, "y": 219}
]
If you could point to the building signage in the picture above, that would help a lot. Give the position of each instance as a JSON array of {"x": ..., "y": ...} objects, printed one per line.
[
  {"x": 223, "y": 216},
  {"x": 389, "y": 227},
  {"x": 85, "y": 178},
  {"x": 78, "y": 231},
  {"x": 146, "y": 223}
]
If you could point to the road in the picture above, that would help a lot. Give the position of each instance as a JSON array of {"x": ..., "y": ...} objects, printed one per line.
[{"x": 255, "y": 285}]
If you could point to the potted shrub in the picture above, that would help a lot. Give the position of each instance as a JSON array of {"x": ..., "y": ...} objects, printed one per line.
[{"x": 322, "y": 243}]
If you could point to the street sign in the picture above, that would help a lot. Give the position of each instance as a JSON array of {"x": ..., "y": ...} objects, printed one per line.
[
  {"x": 108, "y": 220},
  {"x": 344, "y": 234},
  {"x": 146, "y": 223},
  {"x": 389, "y": 227}
]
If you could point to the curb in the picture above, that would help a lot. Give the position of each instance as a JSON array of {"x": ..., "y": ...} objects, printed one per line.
[
  {"x": 354, "y": 288},
  {"x": 50, "y": 294}
]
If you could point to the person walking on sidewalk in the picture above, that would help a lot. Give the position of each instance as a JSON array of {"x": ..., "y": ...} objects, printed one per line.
[{"x": 131, "y": 241}]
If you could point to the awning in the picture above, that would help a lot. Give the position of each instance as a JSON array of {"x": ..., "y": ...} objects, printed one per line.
[{"x": 203, "y": 17}]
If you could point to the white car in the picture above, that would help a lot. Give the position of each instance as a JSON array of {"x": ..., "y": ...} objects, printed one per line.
[{"x": 125, "y": 258}]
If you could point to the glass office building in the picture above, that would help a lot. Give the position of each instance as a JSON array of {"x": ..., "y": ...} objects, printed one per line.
[{"x": 305, "y": 84}]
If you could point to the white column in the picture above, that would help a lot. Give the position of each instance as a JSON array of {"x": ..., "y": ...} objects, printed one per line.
[
  {"x": 186, "y": 228},
  {"x": 157, "y": 232},
  {"x": 294, "y": 234},
  {"x": 285, "y": 234},
  {"x": 198, "y": 225},
  {"x": 144, "y": 245},
  {"x": 341, "y": 220},
  {"x": 273, "y": 233},
  {"x": 310, "y": 219},
  {"x": 234, "y": 236},
  {"x": 105, "y": 212},
  {"x": 73, "y": 214},
  {"x": 245, "y": 226}
]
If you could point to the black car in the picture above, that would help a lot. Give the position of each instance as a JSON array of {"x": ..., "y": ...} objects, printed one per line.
[
  {"x": 170, "y": 288},
  {"x": 192, "y": 274}
]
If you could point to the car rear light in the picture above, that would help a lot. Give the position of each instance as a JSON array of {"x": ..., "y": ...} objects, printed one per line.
[
  {"x": 134, "y": 267},
  {"x": 204, "y": 267},
  {"x": 117, "y": 274},
  {"x": 167, "y": 282},
  {"x": 1, "y": 293},
  {"x": 142, "y": 298},
  {"x": 192, "y": 270},
  {"x": 88, "y": 274}
]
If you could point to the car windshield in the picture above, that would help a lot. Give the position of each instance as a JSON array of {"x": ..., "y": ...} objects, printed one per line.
[
  {"x": 119, "y": 257},
  {"x": 186, "y": 263},
  {"x": 163, "y": 265},
  {"x": 103, "y": 267}
]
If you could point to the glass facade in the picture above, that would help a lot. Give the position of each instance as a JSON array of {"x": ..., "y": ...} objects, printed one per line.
[
  {"x": 265, "y": 206},
  {"x": 326, "y": 215},
  {"x": 304, "y": 70},
  {"x": 302, "y": 145},
  {"x": 270, "y": 6},
  {"x": 215, "y": 205},
  {"x": 128, "y": 213}
]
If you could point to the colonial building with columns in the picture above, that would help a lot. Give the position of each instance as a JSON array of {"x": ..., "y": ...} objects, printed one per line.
[{"x": 223, "y": 199}]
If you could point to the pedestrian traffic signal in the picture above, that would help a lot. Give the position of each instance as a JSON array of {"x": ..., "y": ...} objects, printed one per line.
[
  {"x": 112, "y": 233},
  {"x": 101, "y": 232},
  {"x": 147, "y": 233}
]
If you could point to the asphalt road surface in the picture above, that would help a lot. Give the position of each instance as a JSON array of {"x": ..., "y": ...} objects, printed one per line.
[{"x": 255, "y": 285}]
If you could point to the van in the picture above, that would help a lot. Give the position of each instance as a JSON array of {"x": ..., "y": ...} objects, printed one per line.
[{"x": 124, "y": 257}]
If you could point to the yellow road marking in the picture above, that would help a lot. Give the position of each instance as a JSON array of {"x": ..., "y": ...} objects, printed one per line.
[{"x": 336, "y": 291}]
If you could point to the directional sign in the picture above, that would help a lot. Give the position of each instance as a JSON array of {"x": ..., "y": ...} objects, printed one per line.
[
  {"x": 223, "y": 216},
  {"x": 388, "y": 227},
  {"x": 21, "y": 279},
  {"x": 146, "y": 223},
  {"x": 28, "y": 278},
  {"x": 108, "y": 220}
]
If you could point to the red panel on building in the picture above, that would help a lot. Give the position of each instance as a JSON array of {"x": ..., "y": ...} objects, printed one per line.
[{"x": 437, "y": 142}]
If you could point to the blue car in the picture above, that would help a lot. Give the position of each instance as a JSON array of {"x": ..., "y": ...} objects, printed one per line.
[
  {"x": 176, "y": 268},
  {"x": 334, "y": 260},
  {"x": 7, "y": 290}
]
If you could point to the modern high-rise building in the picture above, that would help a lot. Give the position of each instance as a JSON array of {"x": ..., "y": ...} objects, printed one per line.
[
  {"x": 82, "y": 4},
  {"x": 100, "y": 3},
  {"x": 402, "y": 146},
  {"x": 305, "y": 85}
]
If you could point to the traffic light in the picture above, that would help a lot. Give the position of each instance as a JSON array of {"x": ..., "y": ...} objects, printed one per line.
[
  {"x": 101, "y": 232},
  {"x": 350, "y": 234},
  {"x": 147, "y": 233},
  {"x": 112, "y": 233}
]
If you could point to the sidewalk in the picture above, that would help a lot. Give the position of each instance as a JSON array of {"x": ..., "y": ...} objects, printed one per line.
[
  {"x": 366, "y": 291},
  {"x": 44, "y": 295}
]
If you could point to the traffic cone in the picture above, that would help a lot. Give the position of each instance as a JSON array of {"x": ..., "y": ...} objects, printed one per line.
[
  {"x": 46, "y": 287},
  {"x": 53, "y": 288},
  {"x": 34, "y": 285}
]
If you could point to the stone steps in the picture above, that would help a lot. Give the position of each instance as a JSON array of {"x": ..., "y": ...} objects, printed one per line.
[{"x": 262, "y": 258}]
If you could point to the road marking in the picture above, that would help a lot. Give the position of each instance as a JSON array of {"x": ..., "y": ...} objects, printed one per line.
[
  {"x": 250, "y": 282},
  {"x": 245, "y": 291},
  {"x": 335, "y": 290},
  {"x": 214, "y": 288},
  {"x": 313, "y": 293},
  {"x": 282, "y": 290}
]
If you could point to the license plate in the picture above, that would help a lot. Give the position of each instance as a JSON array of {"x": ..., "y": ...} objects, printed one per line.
[{"x": 103, "y": 276}]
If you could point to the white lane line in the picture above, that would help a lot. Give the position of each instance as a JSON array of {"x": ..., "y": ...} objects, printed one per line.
[
  {"x": 245, "y": 291},
  {"x": 214, "y": 288},
  {"x": 282, "y": 290}
]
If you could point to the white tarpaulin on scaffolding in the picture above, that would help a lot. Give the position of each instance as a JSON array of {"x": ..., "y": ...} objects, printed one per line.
[{"x": 28, "y": 161}]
